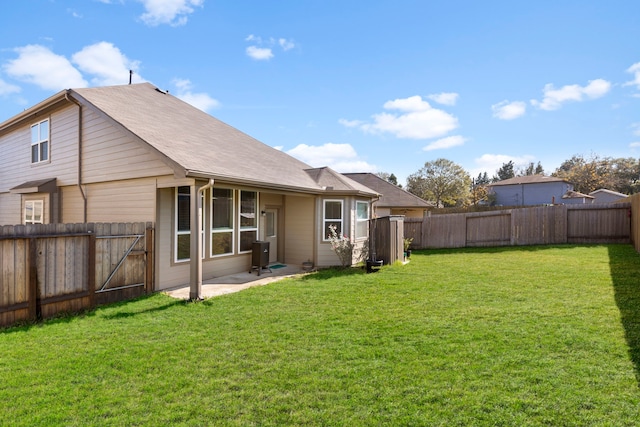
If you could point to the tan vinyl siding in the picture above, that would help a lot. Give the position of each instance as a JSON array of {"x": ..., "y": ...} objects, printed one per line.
[
  {"x": 72, "y": 205},
  {"x": 299, "y": 229},
  {"x": 112, "y": 154},
  {"x": 10, "y": 209},
  {"x": 15, "y": 152},
  {"x": 121, "y": 201}
]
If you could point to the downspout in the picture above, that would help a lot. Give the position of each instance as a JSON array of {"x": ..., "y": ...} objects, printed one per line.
[
  {"x": 195, "y": 289},
  {"x": 84, "y": 196}
]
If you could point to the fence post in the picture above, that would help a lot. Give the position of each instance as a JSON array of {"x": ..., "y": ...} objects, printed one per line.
[
  {"x": 149, "y": 260},
  {"x": 91, "y": 270},
  {"x": 32, "y": 281}
]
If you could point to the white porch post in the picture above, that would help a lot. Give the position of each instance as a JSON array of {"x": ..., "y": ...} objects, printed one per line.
[
  {"x": 195, "y": 290},
  {"x": 196, "y": 225}
]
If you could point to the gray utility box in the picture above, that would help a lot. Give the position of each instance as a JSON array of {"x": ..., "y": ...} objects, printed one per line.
[{"x": 260, "y": 256}]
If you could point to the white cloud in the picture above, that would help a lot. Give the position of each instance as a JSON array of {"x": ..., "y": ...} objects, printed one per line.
[
  {"x": 259, "y": 53},
  {"x": 635, "y": 70},
  {"x": 262, "y": 49},
  {"x": 554, "y": 98},
  {"x": 38, "y": 65},
  {"x": 448, "y": 142},
  {"x": 417, "y": 120},
  {"x": 172, "y": 12},
  {"x": 444, "y": 98},
  {"x": 340, "y": 157},
  {"x": 635, "y": 144},
  {"x": 635, "y": 128},
  {"x": 199, "y": 100},
  {"x": 7, "y": 88},
  {"x": 107, "y": 64},
  {"x": 350, "y": 123},
  {"x": 506, "y": 110},
  {"x": 490, "y": 163},
  {"x": 286, "y": 44}
]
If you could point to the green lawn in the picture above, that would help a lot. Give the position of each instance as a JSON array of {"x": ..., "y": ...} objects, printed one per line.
[{"x": 485, "y": 337}]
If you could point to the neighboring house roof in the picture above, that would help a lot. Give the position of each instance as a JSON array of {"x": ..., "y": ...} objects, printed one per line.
[
  {"x": 608, "y": 192},
  {"x": 576, "y": 195},
  {"x": 391, "y": 195},
  {"x": 528, "y": 179},
  {"x": 192, "y": 142}
]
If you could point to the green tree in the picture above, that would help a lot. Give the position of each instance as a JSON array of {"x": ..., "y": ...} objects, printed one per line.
[
  {"x": 595, "y": 172},
  {"x": 389, "y": 177},
  {"x": 506, "y": 171},
  {"x": 441, "y": 181}
]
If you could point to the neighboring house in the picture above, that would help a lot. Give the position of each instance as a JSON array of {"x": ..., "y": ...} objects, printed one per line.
[
  {"x": 572, "y": 197},
  {"x": 393, "y": 200},
  {"x": 530, "y": 190},
  {"x": 606, "y": 196},
  {"x": 135, "y": 153}
]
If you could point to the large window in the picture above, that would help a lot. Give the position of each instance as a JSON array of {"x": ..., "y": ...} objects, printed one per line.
[
  {"x": 33, "y": 212},
  {"x": 362, "y": 219},
  {"x": 222, "y": 221},
  {"x": 183, "y": 224},
  {"x": 248, "y": 219},
  {"x": 332, "y": 216},
  {"x": 40, "y": 142}
]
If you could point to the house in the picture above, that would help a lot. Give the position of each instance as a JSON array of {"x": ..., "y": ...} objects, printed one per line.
[
  {"x": 531, "y": 190},
  {"x": 136, "y": 153},
  {"x": 393, "y": 199},
  {"x": 606, "y": 196},
  {"x": 576, "y": 198}
]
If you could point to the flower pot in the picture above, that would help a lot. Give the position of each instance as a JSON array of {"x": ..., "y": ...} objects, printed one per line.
[{"x": 307, "y": 266}]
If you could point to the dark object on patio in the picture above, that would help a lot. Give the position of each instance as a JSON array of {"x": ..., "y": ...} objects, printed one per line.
[{"x": 373, "y": 266}]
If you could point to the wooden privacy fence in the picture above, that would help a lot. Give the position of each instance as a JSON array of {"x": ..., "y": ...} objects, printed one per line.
[
  {"x": 52, "y": 268},
  {"x": 635, "y": 221},
  {"x": 386, "y": 239},
  {"x": 597, "y": 223}
]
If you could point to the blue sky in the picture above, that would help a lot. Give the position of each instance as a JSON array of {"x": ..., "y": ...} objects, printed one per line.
[{"x": 376, "y": 86}]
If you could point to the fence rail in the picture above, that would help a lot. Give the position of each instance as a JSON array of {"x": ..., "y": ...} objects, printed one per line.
[
  {"x": 602, "y": 223},
  {"x": 47, "y": 269}
]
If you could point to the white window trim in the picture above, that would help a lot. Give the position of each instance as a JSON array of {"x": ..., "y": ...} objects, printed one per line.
[
  {"x": 223, "y": 230},
  {"x": 40, "y": 141},
  {"x": 183, "y": 233},
  {"x": 325, "y": 219},
  {"x": 175, "y": 228},
  {"x": 35, "y": 205},
  {"x": 243, "y": 229},
  {"x": 360, "y": 221}
]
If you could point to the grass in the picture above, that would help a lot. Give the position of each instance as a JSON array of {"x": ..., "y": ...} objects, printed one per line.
[{"x": 542, "y": 336}]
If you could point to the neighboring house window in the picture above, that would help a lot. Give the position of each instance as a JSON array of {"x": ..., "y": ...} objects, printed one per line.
[
  {"x": 362, "y": 219},
  {"x": 222, "y": 221},
  {"x": 183, "y": 224},
  {"x": 332, "y": 216},
  {"x": 40, "y": 142},
  {"x": 248, "y": 219},
  {"x": 34, "y": 212}
]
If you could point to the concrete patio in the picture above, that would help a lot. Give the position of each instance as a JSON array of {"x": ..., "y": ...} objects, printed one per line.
[{"x": 237, "y": 282}]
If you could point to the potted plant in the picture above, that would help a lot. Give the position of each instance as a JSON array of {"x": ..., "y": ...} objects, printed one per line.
[{"x": 407, "y": 246}]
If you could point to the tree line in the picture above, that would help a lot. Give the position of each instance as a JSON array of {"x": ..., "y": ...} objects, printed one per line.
[{"x": 447, "y": 184}]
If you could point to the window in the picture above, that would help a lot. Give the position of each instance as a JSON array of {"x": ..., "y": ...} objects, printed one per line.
[
  {"x": 332, "y": 216},
  {"x": 248, "y": 219},
  {"x": 222, "y": 221},
  {"x": 362, "y": 219},
  {"x": 183, "y": 224},
  {"x": 40, "y": 142},
  {"x": 34, "y": 212}
]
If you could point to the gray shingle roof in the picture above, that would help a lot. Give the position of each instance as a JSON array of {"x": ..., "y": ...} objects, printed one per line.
[
  {"x": 528, "y": 179},
  {"x": 198, "y": 143},
  {"x": 391, "y": 195}
]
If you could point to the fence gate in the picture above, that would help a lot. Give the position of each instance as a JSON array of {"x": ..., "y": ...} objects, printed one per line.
[{"x": 122, "y": 267}]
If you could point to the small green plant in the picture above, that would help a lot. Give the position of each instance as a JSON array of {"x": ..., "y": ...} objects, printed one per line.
[
  {"x": 341, "y": 245},
  {"x": 407, "y": 243}
]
